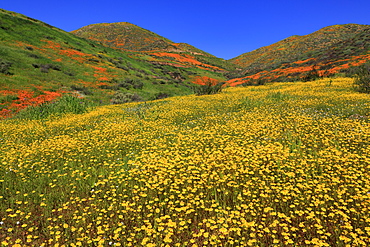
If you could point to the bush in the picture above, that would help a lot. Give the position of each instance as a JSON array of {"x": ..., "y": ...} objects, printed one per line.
[
  {"x": 81, "y": 89},
  {"x": 161, "y": 95},
  {"x": 311, "y": 75},
  {"x": 234, "y": 74},
  {"x": 127, "y": 83},
  {"x": 121, "y": 98},
  {"x": 33, "y": 56},
  {"x": 205, "y": 85},
  {"x": 45, "y": 67},
  {"x": 208, "y": 89},
  {"x": 68, "y": 73},
  {"x": 255, "y": 82},
  {"x": 5, "y": 66},
  {"x": 138, "y": 84},
  {"x": 362, "y": 79},
  {"x": 7, "y": 98}
]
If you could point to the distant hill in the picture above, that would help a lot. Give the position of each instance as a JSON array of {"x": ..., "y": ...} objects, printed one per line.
[
  {"x": 159, "y": 50},
  {"x": 117, "y": 62},
  {"x": 125, "y": 36},
  {"x": 39, "y": 63},
  {"x": 329, "y": 50}
]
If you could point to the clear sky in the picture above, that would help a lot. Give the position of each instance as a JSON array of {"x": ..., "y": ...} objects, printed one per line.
[{"x": 224, "y": 28}]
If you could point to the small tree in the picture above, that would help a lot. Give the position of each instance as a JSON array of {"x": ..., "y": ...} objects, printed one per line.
[
  {"x": 205, "y": 85},
  {"x": 362, "y": 78},
  {"x": 312, "y": 75}
]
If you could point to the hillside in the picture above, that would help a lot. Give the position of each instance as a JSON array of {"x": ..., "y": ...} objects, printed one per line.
[
  {"x": 124, "y": 35},
  {"x": 330, "y": 50},
  {"x": 151, "y": 46},
  {"x": 39, "y": 63},
  {"x": 121, "y": 62}
]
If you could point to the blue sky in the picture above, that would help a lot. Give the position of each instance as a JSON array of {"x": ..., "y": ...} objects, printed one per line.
[{"x": 225, "y": 28}]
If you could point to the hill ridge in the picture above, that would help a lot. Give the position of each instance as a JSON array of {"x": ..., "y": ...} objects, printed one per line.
[
  {"x": 138, "y": 41},
  {"x": 39, "y": 61},
  {"x": 325, "y": 48}
]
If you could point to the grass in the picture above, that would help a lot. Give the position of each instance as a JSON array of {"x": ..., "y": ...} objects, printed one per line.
[
  {"x": 256, "y": 166},
  {"x": 37, "y": 57},
  {"x": 63, "y": 105}
]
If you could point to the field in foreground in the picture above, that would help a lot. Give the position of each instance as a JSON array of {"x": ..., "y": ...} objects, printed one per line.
[{"x": 285, "y": 164}]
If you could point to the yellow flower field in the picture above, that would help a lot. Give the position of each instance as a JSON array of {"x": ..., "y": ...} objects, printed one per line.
[{"x": 286, "y": 164}]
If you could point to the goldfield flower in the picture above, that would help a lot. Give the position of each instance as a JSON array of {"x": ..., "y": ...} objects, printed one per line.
[{"x": 279, "y": 164}]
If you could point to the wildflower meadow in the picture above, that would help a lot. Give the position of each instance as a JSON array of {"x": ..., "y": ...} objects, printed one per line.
[{"x": 285, "y": 164}]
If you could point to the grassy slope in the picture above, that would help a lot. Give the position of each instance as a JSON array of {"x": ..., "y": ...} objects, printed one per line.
[
  {"x": 332, "y": 49},
  {"x": 47, "y": 62},
  {"x": 276, "y": 165},
  {"x": 128, "y": 37},
  {"x": 123, "y": 35},
  {"x": 39, "y": 63}
]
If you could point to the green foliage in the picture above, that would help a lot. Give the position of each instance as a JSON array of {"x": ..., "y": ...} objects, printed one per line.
[
  {"x": 161, "y": 95},
  {"x": 81, "y": 89},
  {"x": 7, "y": 98},
  {"x": 4, "y": 67},
  {"x": 278, "y": 96},
  {"x": 312, "y": 75},
  {"x": 131, "y": 83},
  {"x": 45, "y": 58},
  {"x": 121, "y": 98},
  {"x": 234, "y": 74},
  {"x": 64, "y": 105},
  {"x": 208, "y": 88},
  {"x": 45, "y": 67},
  {"x": 362, "y": 78},
  {"x": 248, "y": 104},
  {"x": 255, "y": 82},
  {"x": 330, "y": 47}
]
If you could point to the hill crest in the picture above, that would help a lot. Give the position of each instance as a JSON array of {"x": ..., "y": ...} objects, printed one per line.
[
  {"x": 142, "y": 43},
  {"x": 40, "y": 63},
  {"x": 331, "y": 49}
]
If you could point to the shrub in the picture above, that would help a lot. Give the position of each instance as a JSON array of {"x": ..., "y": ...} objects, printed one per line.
[
  {"x": 7, "y": 98},
  {"x": 138, "y": 84},
  {"x": 124, "y": 84},
  {"x": 206, "y": 85},
  {"x": 234, "y": 74},
  {"x": 33, "y": 56},
  {"x": 68, "y": 73},
  {"x": 5, "y": 66},
  {"x": 121, "y": 98},
  {"x": 81, "y": 89},
  {"x": 255, "y": 82},
  {"x": 127, "y": 83},
  {"x": 111, "y": 87},
  {"x": 45, "y": 67},
  {"x": 161, "y": 95},
  {"x": 362, "y": 79},
  {"x": 311, "y": 75}
]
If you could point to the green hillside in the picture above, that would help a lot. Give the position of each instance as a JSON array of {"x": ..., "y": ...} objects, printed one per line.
[
  {"x": 160, "y": 50},
  {"x": 39, "y": 63},
  {"x": 121, "y": 62},
  {"x": 331, "y": 50},
  {"x": 124, "y": 35}
]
